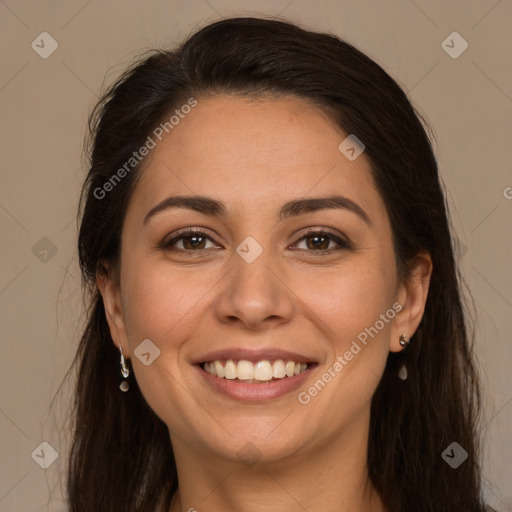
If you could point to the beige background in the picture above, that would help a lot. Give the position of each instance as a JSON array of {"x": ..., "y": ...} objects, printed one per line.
[{"x": 44, "y": 104}]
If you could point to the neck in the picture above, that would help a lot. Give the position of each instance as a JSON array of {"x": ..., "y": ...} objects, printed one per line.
[{"x": 331, "y": 477}]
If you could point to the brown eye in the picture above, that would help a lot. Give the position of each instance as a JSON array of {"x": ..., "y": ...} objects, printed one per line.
[
  {"x": 188, "y": 241},
  {"x": 193, "y": 242},
  {"x": 321, "y": 241}
]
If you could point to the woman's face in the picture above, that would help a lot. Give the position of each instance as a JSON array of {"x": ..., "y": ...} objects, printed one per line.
[{"x": 254, "y": 285}]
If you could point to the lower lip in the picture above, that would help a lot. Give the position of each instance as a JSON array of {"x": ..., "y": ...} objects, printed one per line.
[{"x": 254, "y": 392}]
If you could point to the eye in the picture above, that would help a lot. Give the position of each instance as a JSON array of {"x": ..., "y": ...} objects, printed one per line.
[
  {"x": 190, "y": 240},
  {"x": 320, "y": 241}
]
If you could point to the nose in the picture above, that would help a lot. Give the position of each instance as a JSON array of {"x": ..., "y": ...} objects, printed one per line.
[{"x": 254, "y": 295}]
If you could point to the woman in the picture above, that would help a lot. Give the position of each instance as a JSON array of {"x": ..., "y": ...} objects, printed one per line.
[{"x": 275, "y": 318}]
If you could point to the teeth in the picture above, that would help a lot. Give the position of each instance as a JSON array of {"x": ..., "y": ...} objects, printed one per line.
[
  {"x": 230, "y": 370},
  {"x": 278, "y": 370},
  {"x": 219, "y": 369},
  {"x": 245, "y": 370},
  {"x": 262, "y": 371}
]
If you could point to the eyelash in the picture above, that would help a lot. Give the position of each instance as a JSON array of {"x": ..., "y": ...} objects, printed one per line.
[{"x": 343, "y": 244}]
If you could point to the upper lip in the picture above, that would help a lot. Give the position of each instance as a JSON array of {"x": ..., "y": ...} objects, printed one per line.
[{"x": 237, "y": 353}]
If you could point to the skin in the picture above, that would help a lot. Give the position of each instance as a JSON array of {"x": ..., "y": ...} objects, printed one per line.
[{"x": 254, "y": 155}]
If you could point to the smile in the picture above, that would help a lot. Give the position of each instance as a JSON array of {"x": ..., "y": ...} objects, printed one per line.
[
  {"x": 258, "y": 372},
  {"x": 249, "y": 375}
]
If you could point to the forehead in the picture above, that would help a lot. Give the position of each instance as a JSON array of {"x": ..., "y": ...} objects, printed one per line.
[{"x": 252, "y": 152}]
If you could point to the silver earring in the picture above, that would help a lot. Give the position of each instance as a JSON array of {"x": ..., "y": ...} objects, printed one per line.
[
  {"x": 404, "y": 340},
  {"x": 402, "y": 372},
  {"x": 125, "y": 372}
]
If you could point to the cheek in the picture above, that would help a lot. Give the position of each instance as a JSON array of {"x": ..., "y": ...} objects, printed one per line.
[
  {"x": 158, "y": 300},
  {"x": 352, "y": 307},
  {"x": 161, "y": 304},
  {"x": 346, "y": 305},
  {"x": 348, "y": 299}
]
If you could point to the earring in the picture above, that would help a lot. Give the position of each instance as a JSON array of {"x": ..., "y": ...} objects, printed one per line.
[
  {"x": 404, "y": 340},
  {"x": 402, "y": 372},
  {"x": 124, "y": 386}
]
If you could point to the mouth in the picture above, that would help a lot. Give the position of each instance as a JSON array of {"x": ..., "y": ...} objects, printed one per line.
[
  {"x": 258, "y": 372},
  {"x": 251, "y": 376}
]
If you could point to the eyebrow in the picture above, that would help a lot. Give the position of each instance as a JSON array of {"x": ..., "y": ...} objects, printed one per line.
[{"x": 212, "y": 207}]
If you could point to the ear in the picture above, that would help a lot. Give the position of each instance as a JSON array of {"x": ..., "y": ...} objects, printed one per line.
[
  {"x": 108, "y": 284},
  {"x": 412, "y": 296}
]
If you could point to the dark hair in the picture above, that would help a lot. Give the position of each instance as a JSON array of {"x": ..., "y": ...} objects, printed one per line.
[{"x": 121, "y": 457}]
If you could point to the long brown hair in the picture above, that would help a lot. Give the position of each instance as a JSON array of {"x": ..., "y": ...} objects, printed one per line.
[{"x": 121, "y": 458}]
